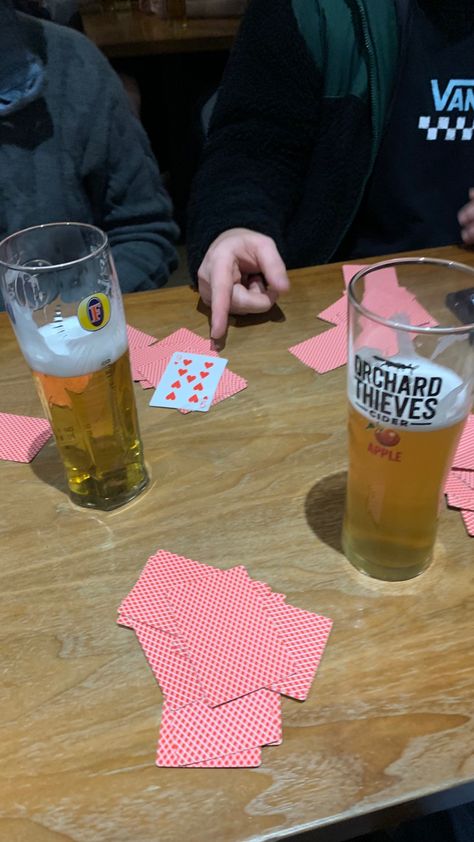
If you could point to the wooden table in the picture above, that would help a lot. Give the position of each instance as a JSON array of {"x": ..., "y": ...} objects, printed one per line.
[
  {"x": 134, "y": 33},
  {"x": 388, "y": 729}
]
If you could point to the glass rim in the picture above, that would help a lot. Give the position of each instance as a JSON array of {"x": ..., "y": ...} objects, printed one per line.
[
  {"x": 54, "y": 266},
  {"x": 397, "y": 261}
]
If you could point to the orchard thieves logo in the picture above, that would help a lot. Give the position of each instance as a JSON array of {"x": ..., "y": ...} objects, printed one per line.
[{"x": 392, "y": 392}]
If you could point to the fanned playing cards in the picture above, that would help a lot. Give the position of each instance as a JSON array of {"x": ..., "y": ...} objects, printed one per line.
[
  {"x": 199, "y": 386},
  {"x": 459, "y": 487},
  {"x": 223, "y": 647},
  {"x": 384, "y": 295}
]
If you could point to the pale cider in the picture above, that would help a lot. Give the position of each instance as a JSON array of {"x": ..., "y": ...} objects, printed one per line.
[{"x": 405, "y": 420}]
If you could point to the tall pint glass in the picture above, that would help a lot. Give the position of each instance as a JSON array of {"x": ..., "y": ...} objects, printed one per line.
[
  {"x": 410, "y": 382},
  {"x": 61, "y": 292}
]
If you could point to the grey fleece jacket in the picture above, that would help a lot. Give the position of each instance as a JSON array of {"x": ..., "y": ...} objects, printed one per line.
[{"x": 71, "y": 150}]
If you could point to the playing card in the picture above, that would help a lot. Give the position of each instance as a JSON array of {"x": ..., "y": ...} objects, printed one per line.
[
  {"x": 336, "y": 312},
  {"x": 163, "y": 570},
  {"x": 180, "y": 340},
  {"x": 383, "y": 295},
  {"x": 186, "y": 340},
  {"x": 247, "y": 759},
  {"x": 459, "y": 494},
  {"x": 376, "y": 336},
  {"x": 468, "y": 518},
  {"x": 189, "y": 382},
  {"x": 146, "y": 355},
  {"x": 466, "y": 477},
  {"x": 171, "y": 667},
  {"x": 464, "y": 456},
  {"x": 22, "y": 436},
  {"x": 138, "y": 339},
  {"x": 385, "y": 279},
  {"x": 152, "y": 371},
  {"x": 324, "y": 352},
  {"x": 197, "y": 732},
  {"x": 228, "y": 635},
  {"x": 305, "y": 634}
]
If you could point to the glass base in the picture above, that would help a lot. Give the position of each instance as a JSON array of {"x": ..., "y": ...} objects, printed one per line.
[
  {"x": 107, "y": 504},
  {"x": 383, "y": 571}
]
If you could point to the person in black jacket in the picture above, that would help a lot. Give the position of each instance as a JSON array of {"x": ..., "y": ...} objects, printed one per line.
[{"x": 342, "y": 129}]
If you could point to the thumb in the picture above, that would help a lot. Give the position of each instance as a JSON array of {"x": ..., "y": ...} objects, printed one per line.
[{"x": 272, "y": 267}]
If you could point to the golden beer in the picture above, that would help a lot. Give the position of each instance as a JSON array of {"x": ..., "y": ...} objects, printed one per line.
[
  {"x": 405, "y": 420},
  {"x": 95, "y": 424}
]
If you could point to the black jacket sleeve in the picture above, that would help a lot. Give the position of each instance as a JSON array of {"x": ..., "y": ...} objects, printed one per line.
[{"x": 261, "y": 133}]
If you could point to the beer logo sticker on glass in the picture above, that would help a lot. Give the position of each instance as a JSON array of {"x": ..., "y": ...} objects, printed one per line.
[{"x": 94, "y": 311}]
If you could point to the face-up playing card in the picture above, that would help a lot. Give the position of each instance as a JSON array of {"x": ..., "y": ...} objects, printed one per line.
[
  {"x": 22, "y": 437},
  {"x": 189, "y": 382}
]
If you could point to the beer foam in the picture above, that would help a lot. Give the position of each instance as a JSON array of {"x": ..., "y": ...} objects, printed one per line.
[
  {"x": 66, "y": 349},
  {"x": 407, "y": 391}
]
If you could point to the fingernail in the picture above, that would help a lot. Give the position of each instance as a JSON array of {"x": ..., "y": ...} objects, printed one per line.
[{"x": 216, "y": 344}]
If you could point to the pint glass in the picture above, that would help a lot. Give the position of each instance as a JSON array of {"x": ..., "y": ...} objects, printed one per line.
[
  {"x": 61, "y": 292},
  {"x": 410, "y": 381}
]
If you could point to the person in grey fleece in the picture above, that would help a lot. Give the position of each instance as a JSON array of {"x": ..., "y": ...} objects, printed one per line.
[{"x": 71, "y": 149}]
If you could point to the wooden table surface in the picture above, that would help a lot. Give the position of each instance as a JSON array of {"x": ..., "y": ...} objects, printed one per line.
[
  {"x": 388, "y": 728},
  {"x": 135, "y": 33}
]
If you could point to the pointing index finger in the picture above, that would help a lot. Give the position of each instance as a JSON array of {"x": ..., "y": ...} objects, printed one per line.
[{"x": 221, "y": 284}]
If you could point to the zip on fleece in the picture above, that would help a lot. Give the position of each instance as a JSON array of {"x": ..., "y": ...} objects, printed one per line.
[{"x": 349, "y": 68}]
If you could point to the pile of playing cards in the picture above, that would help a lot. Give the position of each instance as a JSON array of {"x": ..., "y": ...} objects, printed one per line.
[
  {"x": 185, "y": 372},
  {"x": 223, "y": 648},
  {"x": 459, "y": 488},
  {"x": 22, "y": 436},
  {"x": 384, "y": 296}
]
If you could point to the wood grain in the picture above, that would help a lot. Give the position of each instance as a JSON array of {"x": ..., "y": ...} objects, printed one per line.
[{"x": 388, "y": 728}]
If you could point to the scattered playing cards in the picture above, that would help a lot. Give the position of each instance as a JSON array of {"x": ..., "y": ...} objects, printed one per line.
[
  {"x": 328, "y": 350},
  {"x": 150, "y": 361},
  {"x": 459, "y": 487},
  {"x": 223, "y": 647},
  {"x": 22, "y": 437}
]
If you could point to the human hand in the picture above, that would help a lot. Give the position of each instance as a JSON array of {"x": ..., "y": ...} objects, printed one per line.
[
  {"x": 229, "y": 276},
  {"x": 466, "y": 220}
]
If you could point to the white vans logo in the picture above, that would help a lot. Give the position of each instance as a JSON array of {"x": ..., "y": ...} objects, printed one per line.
[{"x": 457, "y": 103}]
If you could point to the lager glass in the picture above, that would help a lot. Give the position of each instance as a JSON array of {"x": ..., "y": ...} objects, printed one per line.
[
  {"x": 410, "y": 382},
  {"x": 61, "y": 292}
]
